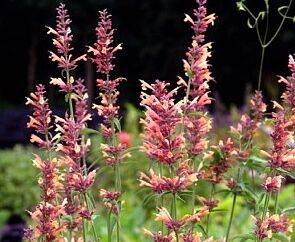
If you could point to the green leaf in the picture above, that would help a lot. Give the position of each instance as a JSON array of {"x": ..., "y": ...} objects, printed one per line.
[
  {"x": 89, "y": 131},
  {"x": 256, "y": 162},
  {"x": 244, "y": 237},
  {"x": 262, "y": 14},
  {"x": 290, "y": 209},
  {"x": 280, "y": 237},
  {"x": 117, "y": 124},
  {"x": 240, "y": 6}
]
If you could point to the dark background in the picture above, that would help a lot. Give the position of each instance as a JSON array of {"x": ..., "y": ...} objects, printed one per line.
[{"x": 154, "y": 38}]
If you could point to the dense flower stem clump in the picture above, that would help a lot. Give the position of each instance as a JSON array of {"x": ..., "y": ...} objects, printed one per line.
[
  {"x": 176, "y": 140},
  {"x": 68, "y": 141}
]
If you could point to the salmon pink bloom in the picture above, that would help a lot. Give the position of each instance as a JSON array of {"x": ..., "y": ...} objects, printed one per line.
[
  {"x": 161, "y": 142},
  {"x": 62, "y": 41}
]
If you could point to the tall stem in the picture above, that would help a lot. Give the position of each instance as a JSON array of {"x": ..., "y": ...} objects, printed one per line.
[
  {"x": 92, "y": 223},
  {"x": 109, "y": 225},
  {"x": 232, "y": 208},
  {"x": 266, "y": 203},
  {"x": 276, "y": 201},
  {"x": 70, "y": 95},
  {"x": 174, "y": 213},
  {"x": 231, "y": 216},
  {"x": 118, "y": 188},
  {"x": 208, "y": 217},
  {"x": 261, "y": 67}
]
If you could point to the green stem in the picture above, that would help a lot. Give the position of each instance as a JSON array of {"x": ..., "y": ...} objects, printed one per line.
[
  {"x": 276, "y": 201},
  {"x": 118, "y": 188},
  {"x": 208, "y": 217},
  {"x": 231, "y": 216},
  {"x": 253, "y": 188},
  {"x": 70, "y": 234},
  {"x": 174, "y": 213},
  {"x": 109, "y": 225},
  {"x": 261, "y": 67},
  {"x": 174, "y": 209},
  {"x": 280, "y": 26},
  {"x": 84, "y": 230},
  {"x": 232, "y": 208},
  {"x": 118, "y": 227},
  {"x": 91, "y": 222},
  {"x": 70, "y": 96},
  {"x": 266, "y": 203}
]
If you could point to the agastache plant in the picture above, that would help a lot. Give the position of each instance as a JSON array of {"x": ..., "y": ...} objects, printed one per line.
[
  {"x": 114, "y": 152},
  {"x": 71, "y": 196},
  {"x": 175, "y": 133}
]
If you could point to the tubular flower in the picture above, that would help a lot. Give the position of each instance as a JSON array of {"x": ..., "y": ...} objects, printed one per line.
[
  {"x": 190, "y": 237},
  {"x": 248, "y": 124},
  {"x": 273, "y": 184},
  {"x": 114, "y": 154},
  {"x": 62, "y": 41},
  {"x": 71, "y": 140},
  {"x": 70, "y": 128},
  {"x": 209, "y": 203},
  {"x": 174, "y": 224},
  {"x": 170, "y": 223},
  {"x": 49, "y": 181},
  {"x": 159, "y": 237},
  {"x": 281, "y": 156},
  {"x": 110, "y": 200},
  {"x": 272, "y": 224},
  {"x": 288, "y": 95},
  {"x": 219, "y": 166},
  {"x": 160, "y": 139},
  {"x": 161, "y": 184},
  {"x": 47, "y": 213},
  {"x": 257, "y": 107},
  {"x": 103, "y": 51},
  {"x": 41, "y": 118},
  {"x": 196, "y": 65},
  {"x": 46, "y": 217},
  {"x": 108, "y": 109}
]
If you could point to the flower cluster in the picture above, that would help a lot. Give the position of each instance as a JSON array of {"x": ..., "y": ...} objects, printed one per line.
[
  {"x": 219, "y": 165},
  {"x": 47, "y": 213},
  {"x": 196, "y": 67},
  {"x": 41, "y": 119},
  {"x": 281, "y": 156},
  {"x": 110, "y": 200},
  {"x": 288, "y": 95},
  {"x": 273, "y": 184},
  {"x": 161, "y": 184},
  {"x": 62, "y": 41},
  {"x": 103, "y": 51},
  {"x": 162, "y": 143},
  {"x": 272, "y": 224},
  {"x": 173, "y": 224},
  {"x": 248, "y": 124}
]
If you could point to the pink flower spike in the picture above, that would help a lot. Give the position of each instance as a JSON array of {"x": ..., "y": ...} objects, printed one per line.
[{"x": 62, "y": 41}]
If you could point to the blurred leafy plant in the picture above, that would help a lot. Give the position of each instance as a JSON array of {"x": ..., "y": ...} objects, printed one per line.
[{"x": 18, "y": 184}]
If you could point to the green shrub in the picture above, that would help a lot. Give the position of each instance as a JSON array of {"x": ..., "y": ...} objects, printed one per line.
[{"x": 18, "y": 182}]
